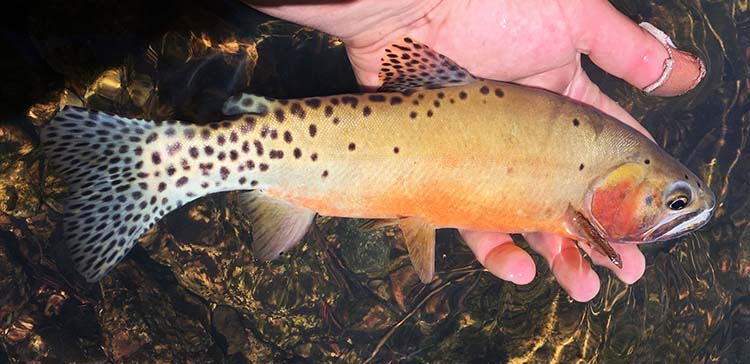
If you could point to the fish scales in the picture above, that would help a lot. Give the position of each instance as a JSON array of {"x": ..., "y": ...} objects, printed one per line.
[{"x": 473, "y": 153}]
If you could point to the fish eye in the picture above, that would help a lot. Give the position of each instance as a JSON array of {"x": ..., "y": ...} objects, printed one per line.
[
  {"x": 678, "y": 196},
  {"x": 678, "y": 203}
]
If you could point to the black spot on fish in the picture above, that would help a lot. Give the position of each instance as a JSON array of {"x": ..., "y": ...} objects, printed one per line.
[
  {"x": 313, "y": 130},
  {"x": 208, "y": 150},
  {"x": 248, "y": 125},
  {"x": 350, "y": 100},
  {"x": 297, "y": 153},
  {"x": 274, "y": 134},
  {"x": 171, "y": 170},
  {"x": 224, "y": 173},
  {"x": 247, "y": 102},
  {"x": 328, "y": 111},
  {"x": 413, "y": 114},
  {"x": 156, "y": 158},
  {"x": 647, "y": 161},
  {"x": 325, "y": 173},
  {"x": 182, "y": 181},
  {"x": 462, "y": 95},
  {"x": 499, "y": 92},
  {"x": 263, "y": 167},
  {"x": 395, "y": 100},
  {"x": 376, "y": 98},
  {"x": 193, "y": 152},
  {"x": 484, "y": 90},
  {"x": 276, "y": 154},
  {"x": 162, "y": 186},
  {"x": 233, "y": 137},
  {"x": 352, "y": 146},
  {"x": 334, "y": 101},
  {"x": 580, "y": 168},
  {"x": 249, "y": 164},
  {"x": 279, "y": 114},
  {"x": 283, "y": 102},
  {"x": 233, "y": 155},
  {"x": 576, "y": 123},
  {"x": 173, "y": 148},
  {"x": 436, "y": 103},
  {"x": 366, "y": 111},
  {"x": 297, "y": 110},
  {"x": 221, "y": 156},
  {"x": 313, "y": 103},
  {"x": 246, "y": 146},
  {"x": 258, "y": 147},
  {"x": 314, "y": 157},
  {"x": 336, "y": 120},
  {"x": 206, "y": 168},
  {"x": 254, "y": 183},
  {"x": 287, "y": 136},
  {"x": 221, "y": 140},
  {"x": 396, "y": 150},
  {"x": 440, "y": 95},
  {"x": 205, "y": 134},
  {"x": 429, "y": 113}
]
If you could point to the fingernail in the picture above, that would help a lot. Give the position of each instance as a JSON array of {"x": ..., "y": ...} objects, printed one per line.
[
  {"x": 687, "y": 71},
  {"x": 682, "y": 70}
]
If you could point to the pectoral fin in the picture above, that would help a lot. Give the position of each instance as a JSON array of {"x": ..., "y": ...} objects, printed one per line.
[
  {"x": 277, "y": 225},
  {"x": 581, "y": 226},
  {"x": 420, "y": 240}
]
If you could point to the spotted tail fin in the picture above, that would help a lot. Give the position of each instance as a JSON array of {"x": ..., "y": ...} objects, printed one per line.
[{"x": 115, "y": 191}]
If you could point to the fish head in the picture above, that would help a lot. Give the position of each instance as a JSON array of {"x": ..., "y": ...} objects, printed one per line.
[{"x": 655, "y": 199}]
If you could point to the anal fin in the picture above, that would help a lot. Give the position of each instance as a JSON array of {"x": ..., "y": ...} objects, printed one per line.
[{"x": 277, "y": 225}]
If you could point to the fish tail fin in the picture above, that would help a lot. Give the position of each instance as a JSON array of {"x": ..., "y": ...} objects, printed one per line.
[{"x": 114, "y": 195}]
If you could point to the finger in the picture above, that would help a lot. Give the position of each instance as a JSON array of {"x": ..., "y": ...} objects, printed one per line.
[
  {"x": 573, "y": 273},
  {"x": 497, "y": 252},
  {"x": 634, "y": 263},
  {"x": 622, "y": 48}
]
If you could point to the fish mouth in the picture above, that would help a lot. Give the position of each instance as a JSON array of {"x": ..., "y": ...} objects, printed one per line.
[{"x": 679, "y": 225}]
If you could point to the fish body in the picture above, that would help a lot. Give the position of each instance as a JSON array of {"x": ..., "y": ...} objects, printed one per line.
[{"x": 429, "y": 152}]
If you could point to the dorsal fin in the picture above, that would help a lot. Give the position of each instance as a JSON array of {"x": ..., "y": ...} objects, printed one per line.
[{"x": 409, "y": 65}]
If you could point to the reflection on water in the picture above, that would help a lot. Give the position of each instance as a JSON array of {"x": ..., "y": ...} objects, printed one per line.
[{"x": 193, "y": 292}]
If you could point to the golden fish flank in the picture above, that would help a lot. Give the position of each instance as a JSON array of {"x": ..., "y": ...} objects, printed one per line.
[{"x": 434, "y": 148}]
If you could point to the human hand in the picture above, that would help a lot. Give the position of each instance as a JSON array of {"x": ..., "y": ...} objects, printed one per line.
[{"x": 536, "y": 43}]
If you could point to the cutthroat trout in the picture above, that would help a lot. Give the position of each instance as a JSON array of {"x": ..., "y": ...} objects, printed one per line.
[{"x": 435, "y": 147}]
